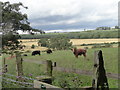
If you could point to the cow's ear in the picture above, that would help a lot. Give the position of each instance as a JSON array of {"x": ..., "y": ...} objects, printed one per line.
[{"x": 72, "y": 50}]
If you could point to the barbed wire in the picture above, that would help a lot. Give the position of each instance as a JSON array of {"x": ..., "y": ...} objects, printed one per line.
[
  {"x": 13, "y": 84},
  {"x": 20, "y": 76},
  {"x": 26, "y": 83}
]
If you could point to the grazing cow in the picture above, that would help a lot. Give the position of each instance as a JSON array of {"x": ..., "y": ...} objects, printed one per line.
[
  {"x": 25, "y": 55},
  {"x": 49, "y": 51},
  {"x": 79, "y": 52},
  {"x": 35, "y": 53}
]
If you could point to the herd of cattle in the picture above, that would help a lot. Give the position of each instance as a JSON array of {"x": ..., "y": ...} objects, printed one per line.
[
  {"x": 38, "y": 52},
  {"x": 75, "y": 51},
  {"x": 49, "y": 51}
]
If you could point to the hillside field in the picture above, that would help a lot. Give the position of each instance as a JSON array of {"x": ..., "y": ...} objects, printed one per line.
[{"x": 89, "y": 34}]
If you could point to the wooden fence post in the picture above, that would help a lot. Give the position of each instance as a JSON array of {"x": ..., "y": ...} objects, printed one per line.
[
  {"x": 99, "y": 78},
  {"x": 4, "y": 66},
  {"x": 19, "y": 66},
  {"x": 49, "y": 67},
  {"x": 48, "y": 70}
]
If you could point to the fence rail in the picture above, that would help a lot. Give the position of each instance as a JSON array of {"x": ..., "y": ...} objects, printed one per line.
[
  {"x": 78, "y": 71},
  {"x": 84, "y": 72}
]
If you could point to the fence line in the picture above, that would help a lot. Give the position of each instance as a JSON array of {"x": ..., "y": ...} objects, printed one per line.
[
  {"x": 14, "y": 84},
  {"x": 78, "y": 71},
  {"x": 11, "y": 81},
  {"x": 26, "y": 83},
  {"x": 83, "y": 72},
  {"x": 34, "y": 61},
  {"x": 20, "y": 76}
]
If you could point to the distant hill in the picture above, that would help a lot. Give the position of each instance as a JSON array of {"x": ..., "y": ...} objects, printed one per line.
[{"x": 90, "y": 34}]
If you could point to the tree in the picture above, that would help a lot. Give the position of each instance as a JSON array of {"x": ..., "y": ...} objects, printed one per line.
[
  {"x": 12, "y": 20},
  {"x": 33, "y": 46},
  {"x": 37, "y": 30},
  {"x": 103, "y": 28},
  {"x": 43, "y": 42},
  {"x": 10, "y": 41},
  {"x": 117, "y": 27},
  {"x": 58, "y": 43}
]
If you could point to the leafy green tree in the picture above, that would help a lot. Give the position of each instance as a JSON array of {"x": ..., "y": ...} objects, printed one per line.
[
  {"x": 10, "y": 40},
  {"x": 58, "y": 43},
  {"x": 43, "y": 42},
  {"x": 12, "y": 20}
]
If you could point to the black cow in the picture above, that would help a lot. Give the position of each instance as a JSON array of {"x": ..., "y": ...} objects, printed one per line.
[
  {"x": 25, "y": 55},
  {"x": 49, "y": 51},
  {"x": 35, "y": 53}
]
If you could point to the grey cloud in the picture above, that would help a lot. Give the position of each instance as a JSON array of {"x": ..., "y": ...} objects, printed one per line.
[
  {"x": 78, "y": 25},
  {"x": 54, "y": 18}
]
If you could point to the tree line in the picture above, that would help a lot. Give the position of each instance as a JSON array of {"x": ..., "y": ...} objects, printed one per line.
[{"x": 92, "y": 34}]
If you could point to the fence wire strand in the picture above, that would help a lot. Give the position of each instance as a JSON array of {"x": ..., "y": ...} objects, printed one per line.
[
  {"x": 13, "y": 84},
  {"x": 20, "y": 76},
  {"x": 11, "y": 81},
  {"x": 26, "y": 83}
]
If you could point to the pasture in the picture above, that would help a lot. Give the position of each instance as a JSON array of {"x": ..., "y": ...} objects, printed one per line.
[{"x": 65, "y": 58}]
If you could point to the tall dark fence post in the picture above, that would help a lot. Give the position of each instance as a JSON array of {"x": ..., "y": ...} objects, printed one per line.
[
  {"x": 100, "y": 78},
  {"x": 19, "y": 66}
]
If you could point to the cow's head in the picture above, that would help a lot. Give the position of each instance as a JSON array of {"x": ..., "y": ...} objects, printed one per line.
[{"x": 74, "y": 49}]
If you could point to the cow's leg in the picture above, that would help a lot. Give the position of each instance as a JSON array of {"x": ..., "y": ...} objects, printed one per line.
[
  {"x": 76, "y": 56},
  {"x": 85, "y": 57}
]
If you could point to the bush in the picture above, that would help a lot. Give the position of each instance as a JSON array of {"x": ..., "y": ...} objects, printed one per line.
[
  {"x": 33, "y": 46},
  {"x": 108, "y": 45},
  {"x": 58, "y": 43},
  {"x": 28, "y": 51},
  {"x": 96, "y": 46},
  {"x": 85, "y": 47}
]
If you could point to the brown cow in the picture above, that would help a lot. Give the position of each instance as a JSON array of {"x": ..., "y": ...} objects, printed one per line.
[{"x": 80, "y": 52}]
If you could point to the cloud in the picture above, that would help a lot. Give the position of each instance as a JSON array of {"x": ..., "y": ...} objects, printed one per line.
[{"x": 66, "y": 14}]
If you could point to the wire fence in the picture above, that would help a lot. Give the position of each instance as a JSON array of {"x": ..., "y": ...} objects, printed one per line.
[
  {"x": 22, "y": 84},
  {"x": 24, "y": 77},
  {"x": 6, "y": 82}
]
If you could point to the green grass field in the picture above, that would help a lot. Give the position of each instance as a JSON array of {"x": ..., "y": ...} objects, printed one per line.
[{"x": 65, "y": 58}]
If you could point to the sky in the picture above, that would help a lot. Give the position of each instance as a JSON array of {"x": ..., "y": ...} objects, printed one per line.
[{"x": 64, "y": 15}]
